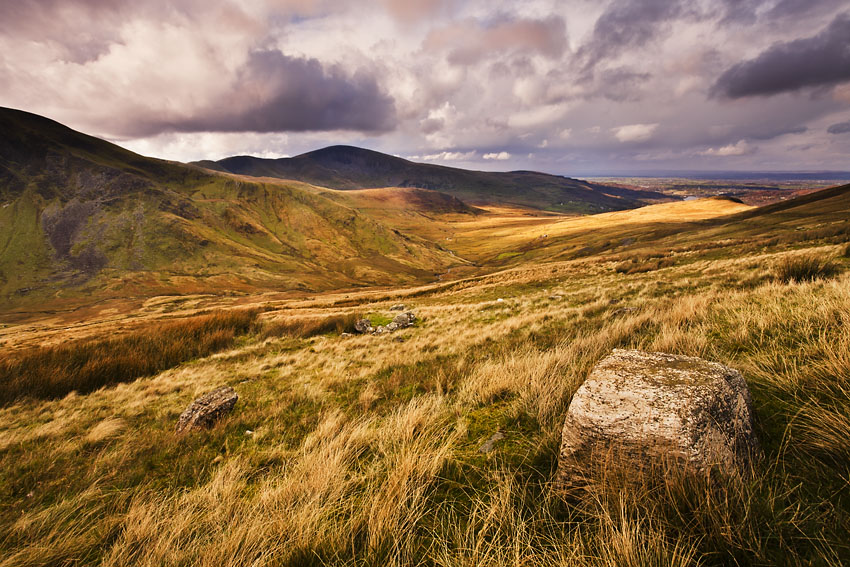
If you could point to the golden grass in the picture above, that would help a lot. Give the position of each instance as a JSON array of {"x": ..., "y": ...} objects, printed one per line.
[
  {"x": 83, "y": 366},
  {"x": 801, "y": 268},
  {"x": 305, "y": 327},
  {"x": 364, "y": 449}
]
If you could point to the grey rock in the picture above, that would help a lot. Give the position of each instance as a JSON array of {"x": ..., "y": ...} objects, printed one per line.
[
  {"x": 363, "y": 326},
  {"x": 398, "y": 307},
  {"x": 651, "y": 406},
  {"x": 403, "y": 320},
  {"x": 205, "y": 411},
  {"x": 490, "y": 444},
  {"x": 392, "y": 326}
]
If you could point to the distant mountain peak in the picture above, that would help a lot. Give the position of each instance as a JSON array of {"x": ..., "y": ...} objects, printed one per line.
[{"x": 345, "y": 167}]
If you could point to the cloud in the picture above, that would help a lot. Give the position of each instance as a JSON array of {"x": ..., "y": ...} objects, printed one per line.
[
  {"x": 820, "y": 60},
  {"x": 627, "y": 24},
  {"x": 634, "y": 132},
  {"x": 449, "y": 156},
  {"x": 840, "y": 128},
  {"x": 274, "y": 92},
  {"x": 470, "y": 41},
  {"x": 738, "y": 149},
  {"x": 500, "y": 156},
  {"x": 414, "y": 11}
]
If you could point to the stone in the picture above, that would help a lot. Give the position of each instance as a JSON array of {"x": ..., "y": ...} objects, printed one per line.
[
  {"x": 205, "y": 411},
  {"x": 650, "y": 406},
  {"x": 392, "y": 326},
  {"x": 398, "y": 307},
  {"x": 363, "y": 326},
  {"x": 403, "y": 320},
  {"x": 490, "y": 444}
]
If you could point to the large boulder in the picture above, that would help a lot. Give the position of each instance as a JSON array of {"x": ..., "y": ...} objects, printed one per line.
[
  {"x": 403, "y": 320},
  {"x": 651, "y": 406},
  {"x": 208, "y": 409}
]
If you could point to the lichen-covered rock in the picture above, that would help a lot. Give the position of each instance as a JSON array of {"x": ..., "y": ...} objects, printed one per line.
[
  {"x": 647, "y": 406},
  {"x": 208, "y": 409},
  {"x": 398, "y": 307},
  {"x": 403, "y": 320},
  {"x": 364, "y": 326}
]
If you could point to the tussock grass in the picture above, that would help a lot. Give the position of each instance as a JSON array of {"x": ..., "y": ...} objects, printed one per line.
[
  {"x": 639, "y": 265},
  {"x": 305, "y": 327},
  {"x": 84, "y": 366},
  {"x": 804, "y": 268}
]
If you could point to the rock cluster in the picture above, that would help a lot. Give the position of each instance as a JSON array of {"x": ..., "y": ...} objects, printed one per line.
[
  {"x": 208, "y": 409},
  {"x": 401, "y": 321},
  {"x": 651, "y": 406}
]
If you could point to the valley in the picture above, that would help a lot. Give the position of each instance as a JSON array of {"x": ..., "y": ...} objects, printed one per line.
[{"x": 368, "y": 449}]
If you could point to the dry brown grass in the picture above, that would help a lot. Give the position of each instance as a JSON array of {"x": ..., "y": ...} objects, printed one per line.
[
  {"x": 83, "y": 366},
  {"x": 365, "y": 449},
  {"x": 305, "y": 327},
  {"x": 804, "y": 268}
]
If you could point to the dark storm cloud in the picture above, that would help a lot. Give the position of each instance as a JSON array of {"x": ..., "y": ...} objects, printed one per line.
[
  {"x": 748, "y": 12},
  {"x": 840, "y": 128},
  {"x": 820, "y": 60},
  {"x": 775, "y": 131},
  {"x": 740, "y": 11},
  {"x": 627, "y": 24},
  {"x": 622, "y": 84},
  {"x": 274, "y": 93}
]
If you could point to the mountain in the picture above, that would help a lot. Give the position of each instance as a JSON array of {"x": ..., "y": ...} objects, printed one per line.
[
  {"x": 79, "y": 215},
  {"x": 347, "y": 167}
]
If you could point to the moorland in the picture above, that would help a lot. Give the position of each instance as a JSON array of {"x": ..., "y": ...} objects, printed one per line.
[{"x": 130, "y": 286}]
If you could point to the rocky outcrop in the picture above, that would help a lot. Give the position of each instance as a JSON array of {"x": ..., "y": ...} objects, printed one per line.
[
  {"x": 401, "y": 321},
  {"x": 207, "y": 410},
  {"x": 652, "y": 406}
]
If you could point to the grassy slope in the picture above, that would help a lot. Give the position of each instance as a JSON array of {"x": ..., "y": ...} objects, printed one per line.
[
  {"x": 344, "y": 167},
  {"x": 364, "y": 450},
  {"x": 83, "y": 216}
]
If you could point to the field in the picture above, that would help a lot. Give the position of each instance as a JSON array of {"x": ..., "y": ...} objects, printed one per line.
[{"x": 364, "y": 450}]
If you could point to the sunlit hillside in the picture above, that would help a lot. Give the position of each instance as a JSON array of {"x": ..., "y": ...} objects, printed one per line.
[{"x": 364, "y": 449}]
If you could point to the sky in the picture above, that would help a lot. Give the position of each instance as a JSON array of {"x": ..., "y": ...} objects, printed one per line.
[{"x": 592, "y": 87}]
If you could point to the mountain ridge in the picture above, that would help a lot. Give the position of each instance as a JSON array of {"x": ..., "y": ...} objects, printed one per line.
[
  {"x": 80, "y": 215},
  {"x": 345, "y": 167}
]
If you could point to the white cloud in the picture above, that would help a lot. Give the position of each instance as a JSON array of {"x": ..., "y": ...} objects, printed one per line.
[
  {"x": 740, "y": 148},
  {"x": 449, "y": 156},
  {"x": 634, "y": 132},
  {"x": 541, "y": 115},
  {"x": 501, "y": 156}
]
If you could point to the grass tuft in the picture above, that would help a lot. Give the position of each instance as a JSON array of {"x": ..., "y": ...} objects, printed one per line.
[
  {"x": 805, "y": 268},
  {"x": 310, "y": 326}
]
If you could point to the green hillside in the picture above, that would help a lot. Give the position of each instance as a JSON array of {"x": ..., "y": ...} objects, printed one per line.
[
  {"x": 79, "y": 215},
  {"x": 346, "y": 167}
]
